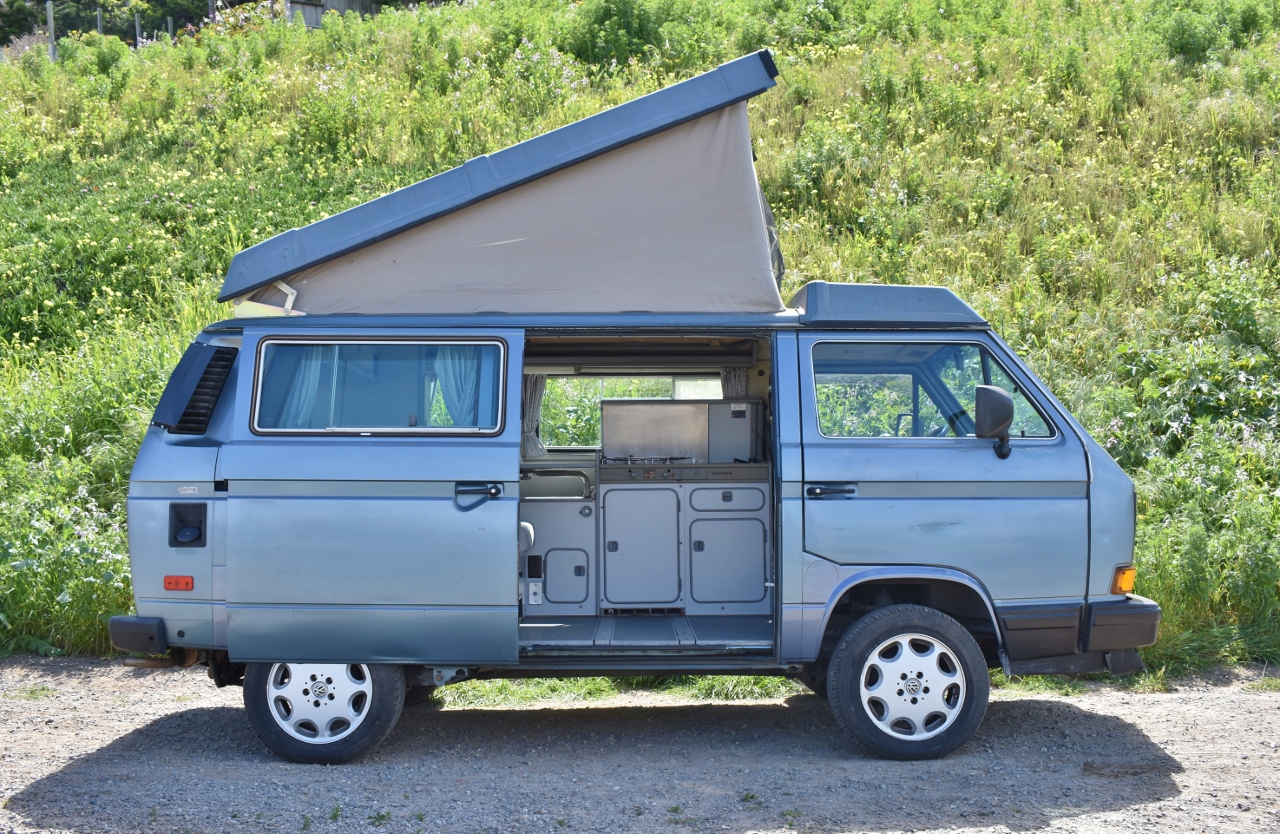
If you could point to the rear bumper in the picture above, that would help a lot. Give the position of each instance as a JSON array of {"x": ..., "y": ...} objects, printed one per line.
[{"x": 142, "y": 635}]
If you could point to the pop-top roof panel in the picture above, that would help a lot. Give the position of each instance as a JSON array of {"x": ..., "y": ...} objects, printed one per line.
[
  {"x": 672, "y": 223},
  {"x": 490, "y": 176}
]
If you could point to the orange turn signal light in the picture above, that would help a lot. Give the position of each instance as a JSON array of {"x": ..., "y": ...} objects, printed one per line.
[
  {"x": 1123, "y": 582},
  {"x": 179, "y": 583}
]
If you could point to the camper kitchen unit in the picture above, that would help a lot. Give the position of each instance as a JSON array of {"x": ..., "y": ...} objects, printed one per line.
[{"x": 356, "y": 486}]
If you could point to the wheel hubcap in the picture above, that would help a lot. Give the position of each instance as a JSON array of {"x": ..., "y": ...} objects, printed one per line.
[
  {"x": 912, "y": 687},
  {"x": 319, "y": 703}
]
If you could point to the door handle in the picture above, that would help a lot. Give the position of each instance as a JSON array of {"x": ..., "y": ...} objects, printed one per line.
[
  {"x": 825, "y": 491},
  {"x": 491, "y": 490},
  {"x": 485, "y": 492}
]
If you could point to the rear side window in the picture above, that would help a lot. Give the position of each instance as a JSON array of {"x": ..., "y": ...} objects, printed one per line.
[
  {"x": 866, "y": 389},
  {"x": 387, "y": 387}
]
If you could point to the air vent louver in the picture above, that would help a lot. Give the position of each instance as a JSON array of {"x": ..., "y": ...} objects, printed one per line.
[
  {"x": 195, "y": 417},
  {"x": 195, "y": 395}
]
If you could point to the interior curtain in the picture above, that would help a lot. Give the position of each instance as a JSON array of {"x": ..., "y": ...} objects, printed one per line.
[
  {"x": 733, "y": 383},
  {"x": 301, "y": 402},
  {"x": 458, "y": 370},
  {"x": 535, "y": 388}
]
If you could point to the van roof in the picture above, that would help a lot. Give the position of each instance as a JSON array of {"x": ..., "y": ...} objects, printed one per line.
[
  {"x": 608, "y": 235},
  {"x": 821, "y": 304},
  {"x": 818, "y": 304}
]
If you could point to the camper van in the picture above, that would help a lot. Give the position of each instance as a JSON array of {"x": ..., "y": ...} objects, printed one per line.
[{"x": 547, "y": 414}]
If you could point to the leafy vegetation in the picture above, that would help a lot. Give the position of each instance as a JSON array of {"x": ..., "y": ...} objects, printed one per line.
[{"x": 1098, "y": 178}]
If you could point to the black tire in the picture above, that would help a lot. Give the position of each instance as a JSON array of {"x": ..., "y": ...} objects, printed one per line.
[
  {"x": 279, "y": 699},
  {"x": 944, "y": 687},
  {"x": 417, "y": 695}
]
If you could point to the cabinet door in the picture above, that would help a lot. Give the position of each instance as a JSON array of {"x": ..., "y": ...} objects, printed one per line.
[
  {"x": 641, "y": 546},
  {"x": 565, "y": 575},
  {"x": 726, "y": 560}
]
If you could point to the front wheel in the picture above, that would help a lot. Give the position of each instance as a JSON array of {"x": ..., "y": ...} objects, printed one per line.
[
  {"x": 323, "y": 713},
  {"x": 908, "y": 682}
]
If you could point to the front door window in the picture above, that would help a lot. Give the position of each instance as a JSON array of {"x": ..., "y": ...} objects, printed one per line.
[{"x": 909, "y": 390}]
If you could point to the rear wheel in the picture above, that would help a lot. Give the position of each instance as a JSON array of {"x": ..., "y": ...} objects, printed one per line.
[
  {"x": 908, "y": 682},
  {"x": 323, "y": 713}
]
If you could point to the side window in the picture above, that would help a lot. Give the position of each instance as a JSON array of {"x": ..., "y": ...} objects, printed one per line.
[
  {"x": 958, "y": 369},
  {"x": 1027, "y": 422},
  {"x": 570, "y": 413},
  {"x": 401, "y": 387},
  {"x": 864, "y": 404},
  {"x": 909, "y": 390},
  {"x": 868, "y": 390}
]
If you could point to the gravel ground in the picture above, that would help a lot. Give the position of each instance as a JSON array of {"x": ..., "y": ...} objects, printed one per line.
[{"x": 92, "y": 746}]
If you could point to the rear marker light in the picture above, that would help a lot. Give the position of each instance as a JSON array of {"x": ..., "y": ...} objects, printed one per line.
[
  {"x": 1123, "y": 582},
  {"x": 179, "y": 583}
]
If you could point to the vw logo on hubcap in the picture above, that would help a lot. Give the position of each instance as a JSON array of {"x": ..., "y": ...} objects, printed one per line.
[
  {"x": 913, "y": 686},
  {"x": 319, "y": 689}
]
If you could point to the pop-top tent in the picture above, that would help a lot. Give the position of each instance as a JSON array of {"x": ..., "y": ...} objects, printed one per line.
[{"x": 651, "y": 206}]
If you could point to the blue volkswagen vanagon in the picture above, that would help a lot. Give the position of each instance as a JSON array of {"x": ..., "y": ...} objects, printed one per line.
[{"x": 368, "y": 480}]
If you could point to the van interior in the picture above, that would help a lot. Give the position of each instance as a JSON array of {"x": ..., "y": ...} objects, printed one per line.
[{"x": 646, "y": 513}]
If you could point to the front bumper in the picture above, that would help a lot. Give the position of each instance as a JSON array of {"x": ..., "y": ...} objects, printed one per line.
[
  {"x": 1110, "y": 634},
  {"x": 141, "y": 635},
  {"x": 1120, "y": 624}
]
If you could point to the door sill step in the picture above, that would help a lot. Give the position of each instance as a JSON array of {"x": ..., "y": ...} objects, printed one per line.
[
  {"x": 699, "y": 651},
  {"x": 632, "y": 635}
]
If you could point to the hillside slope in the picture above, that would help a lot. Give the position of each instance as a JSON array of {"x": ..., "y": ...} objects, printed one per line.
[{"x": 1098, "y": 178}]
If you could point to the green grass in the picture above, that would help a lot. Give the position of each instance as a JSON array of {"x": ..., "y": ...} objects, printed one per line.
[
  {"x": 1100, "y": 179},
  {"x": 1150, "y": 682},
  {"x": 1269, "y": 682},
  {"x": 522, "y": 691},
  {"x": 32, "y": 693},
  {"x": 1035, "y": 684},
  {"x": 518, "y": 692}
]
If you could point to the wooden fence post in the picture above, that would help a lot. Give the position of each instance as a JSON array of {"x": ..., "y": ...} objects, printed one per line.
[
  {"x": 53, "y": 40},
  {"x": 99, "y": 20},
  {"x": 137, "y": 29}
]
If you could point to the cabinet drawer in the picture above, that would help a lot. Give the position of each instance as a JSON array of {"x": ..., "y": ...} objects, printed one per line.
[{"x": 727, "y": 499}]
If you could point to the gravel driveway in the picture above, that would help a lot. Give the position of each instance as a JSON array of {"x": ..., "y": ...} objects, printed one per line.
[{"x": 91, "y": 746}]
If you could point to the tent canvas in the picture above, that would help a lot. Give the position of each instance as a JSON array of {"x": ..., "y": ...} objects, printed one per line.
[{"x": 655, "y": 208}]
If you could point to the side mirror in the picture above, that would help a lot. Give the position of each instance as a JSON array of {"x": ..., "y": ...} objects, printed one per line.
[{"x": 993, "y": 415}]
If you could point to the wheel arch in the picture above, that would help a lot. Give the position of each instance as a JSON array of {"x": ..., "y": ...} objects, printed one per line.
[{"x": 953, "y": 592}]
